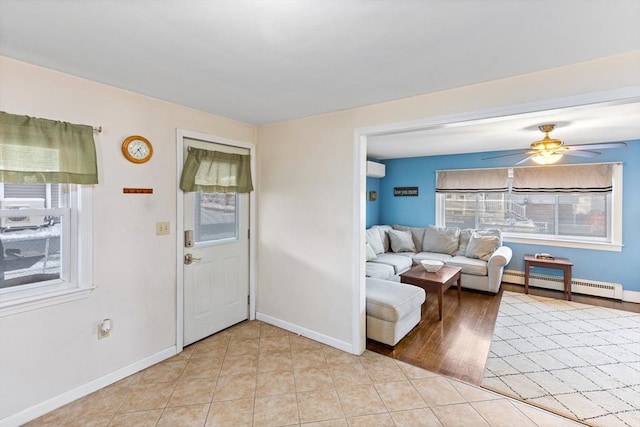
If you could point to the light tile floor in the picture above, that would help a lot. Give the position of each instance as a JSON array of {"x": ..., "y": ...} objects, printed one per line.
[{"x": 255, "y": 374}]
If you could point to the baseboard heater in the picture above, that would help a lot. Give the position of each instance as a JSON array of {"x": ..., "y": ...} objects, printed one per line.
[{"x": 578, "y": 286}]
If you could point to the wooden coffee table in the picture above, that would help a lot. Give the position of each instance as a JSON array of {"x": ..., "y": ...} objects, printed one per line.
[{"x": 433, "y": 282}]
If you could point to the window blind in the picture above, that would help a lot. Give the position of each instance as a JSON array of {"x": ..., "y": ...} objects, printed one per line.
[
  {"x": 472, "y": 181},
  {"x": 583, "y": 178}
]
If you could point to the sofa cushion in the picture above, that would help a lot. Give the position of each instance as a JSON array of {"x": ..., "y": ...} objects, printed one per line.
[
  {"x": 379, "y": 271},
  {"x": 442, "y": 240},
  {"x": 430, "y": 255},
  {"x": 374, "y": 239},
  {"x": 401, "y": 241},
  {"x": 369, "y": 252},
  {"x": 482, "y": 247},
  {"x": 400, "y": 263},
  {"x": 391, "y": 301},
  {"x": 476, "y": 267},
  {"x": 383, "y": 230},
  {"x": 463, "y": 241},
  {"x": 465, "y": 236},
  {"x": 417, "y": 233}
]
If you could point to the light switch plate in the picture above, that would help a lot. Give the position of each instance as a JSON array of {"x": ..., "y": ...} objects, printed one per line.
[{"x": 162, "y": 228}]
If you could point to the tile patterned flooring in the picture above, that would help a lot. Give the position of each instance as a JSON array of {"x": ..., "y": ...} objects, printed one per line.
[{"x": 254, "y": 374}]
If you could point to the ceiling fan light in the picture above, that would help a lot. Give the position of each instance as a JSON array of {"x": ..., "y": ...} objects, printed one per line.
[{"x": 546, "y": 158}]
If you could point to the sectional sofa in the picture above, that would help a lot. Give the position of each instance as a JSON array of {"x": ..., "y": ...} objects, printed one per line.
[{"x": 393, "y": 249}]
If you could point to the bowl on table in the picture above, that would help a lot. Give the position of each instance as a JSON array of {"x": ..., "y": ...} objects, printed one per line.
[{"x": 431, "y": 265}]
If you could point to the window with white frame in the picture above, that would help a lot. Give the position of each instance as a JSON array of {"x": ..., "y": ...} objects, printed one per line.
[
  {"x": 572, "y": 205},
  {"x": 45, "y": 239},
  {"x": 46, "y": 168},
  {"x": 33, "y": 222}
]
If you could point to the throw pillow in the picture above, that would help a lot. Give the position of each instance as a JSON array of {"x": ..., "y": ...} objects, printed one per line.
[
  {"x": 370, "y": 254},
  {"x": 482, "y": 247},
  {"x": 401, "y": 241},
  {"x": 382, "y": 229},
  {"x": 374, "y": 239},
  {"x": 465, "y": 235},
  {"x": 416, "y": 232},
  {"x": 443, "y": 240}
]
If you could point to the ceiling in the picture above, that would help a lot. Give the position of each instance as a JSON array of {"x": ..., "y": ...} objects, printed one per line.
[
  {"x": 267, "y": 61},
  {"x": 605, "y": 122}
]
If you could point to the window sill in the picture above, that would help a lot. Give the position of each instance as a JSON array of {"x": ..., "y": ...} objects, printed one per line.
[
  {"x": 25, "y": 300},
  {"x": 603, "y": 246}
]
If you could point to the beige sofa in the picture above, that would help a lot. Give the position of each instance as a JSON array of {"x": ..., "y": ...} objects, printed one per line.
[{"x": 392, "y": 250}]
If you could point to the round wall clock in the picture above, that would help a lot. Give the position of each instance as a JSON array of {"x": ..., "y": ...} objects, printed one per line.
[{"x": 137, "y": 149}]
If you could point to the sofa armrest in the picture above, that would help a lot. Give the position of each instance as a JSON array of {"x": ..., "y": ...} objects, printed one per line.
[
  {"x": 495, "y": 267},
  {"x": 500, "y": 257}
]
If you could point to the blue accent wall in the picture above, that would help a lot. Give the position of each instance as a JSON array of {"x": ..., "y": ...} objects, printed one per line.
[
  {"x": 373, "y": 208},
  {"x": 619, "y": 267}
]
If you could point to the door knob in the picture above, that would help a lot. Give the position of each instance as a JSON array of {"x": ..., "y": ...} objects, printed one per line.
[{"x": 188, "y": 259}]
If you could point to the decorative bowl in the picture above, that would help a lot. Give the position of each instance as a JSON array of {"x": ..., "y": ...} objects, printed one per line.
[{"x": 431, "y": 265}]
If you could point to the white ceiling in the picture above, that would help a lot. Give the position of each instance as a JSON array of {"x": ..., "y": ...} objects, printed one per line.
[
  {"x": 268, "y": 61},
  {"x": 605, "y": 122}
]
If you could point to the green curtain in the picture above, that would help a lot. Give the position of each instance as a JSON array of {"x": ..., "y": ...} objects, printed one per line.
[
  {"x": 34, "y": 150},
  {"x": 216, "y": 172}
]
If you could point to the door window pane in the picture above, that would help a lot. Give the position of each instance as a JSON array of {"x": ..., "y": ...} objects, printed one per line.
[{"x": 215, "y": 217}]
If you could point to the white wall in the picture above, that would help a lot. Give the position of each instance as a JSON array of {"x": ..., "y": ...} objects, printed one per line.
[
  {"x": 307, "y": 196},
  {"x": 47, "y": 352}
]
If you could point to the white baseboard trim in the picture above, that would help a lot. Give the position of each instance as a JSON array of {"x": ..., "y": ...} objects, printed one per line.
[
  {"x": 56, "y": 402},
  {"x": 316, "y": 336},
  {"x": 631, "y": 296}
]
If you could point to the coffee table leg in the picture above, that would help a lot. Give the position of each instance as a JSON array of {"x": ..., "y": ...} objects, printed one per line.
[
  {"x": 459, "y": 286},
  {"x": 440, "y": 302}
]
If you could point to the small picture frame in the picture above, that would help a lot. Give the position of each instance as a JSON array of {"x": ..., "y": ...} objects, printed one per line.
[{"x": 373, "y": 196}]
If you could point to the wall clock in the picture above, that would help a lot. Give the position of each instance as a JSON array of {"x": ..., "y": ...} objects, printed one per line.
[{"x": 137, "y": 149}]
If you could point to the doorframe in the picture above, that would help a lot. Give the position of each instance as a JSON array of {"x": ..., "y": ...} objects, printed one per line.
[
  {"x": 181, "y": 134},
  {"x": 359, "y": 338}
]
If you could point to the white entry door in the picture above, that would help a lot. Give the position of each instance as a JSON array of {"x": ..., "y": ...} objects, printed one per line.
[{"x": 216, "y": 266}]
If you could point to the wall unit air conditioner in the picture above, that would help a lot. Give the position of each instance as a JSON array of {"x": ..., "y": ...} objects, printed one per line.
[
  {"x": 18, "y": 220},
  {"x": 375, "y": 170}
]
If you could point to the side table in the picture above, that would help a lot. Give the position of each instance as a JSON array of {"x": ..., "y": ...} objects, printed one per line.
[{"x": 558, "y": 263}]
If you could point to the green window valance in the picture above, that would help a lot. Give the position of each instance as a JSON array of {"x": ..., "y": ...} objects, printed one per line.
[
  {"x": 214, "y": 171},
  {"x": 34, "y": 150}
]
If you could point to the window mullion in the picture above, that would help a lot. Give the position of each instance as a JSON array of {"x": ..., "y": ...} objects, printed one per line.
[{"x": 556, "y": 222}]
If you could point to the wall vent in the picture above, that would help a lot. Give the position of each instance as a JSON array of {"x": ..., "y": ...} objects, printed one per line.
[{"x": 578, "y": 286}]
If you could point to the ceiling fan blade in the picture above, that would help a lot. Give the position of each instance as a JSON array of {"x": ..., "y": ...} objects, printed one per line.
[
  {"x": 523, "y": 160},
  {"x": 582, "y": 153},
  {"x": 504, "y": 155},
  {"x": 599, "y": 146}
]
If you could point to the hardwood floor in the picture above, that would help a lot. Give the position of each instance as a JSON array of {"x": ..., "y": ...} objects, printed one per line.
[{"x": 458, "y": 345}]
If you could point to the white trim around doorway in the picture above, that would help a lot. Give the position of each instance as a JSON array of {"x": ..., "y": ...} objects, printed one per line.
[
  {"x": 180, "y": 135},
  {"x": 621, "y": 95}
]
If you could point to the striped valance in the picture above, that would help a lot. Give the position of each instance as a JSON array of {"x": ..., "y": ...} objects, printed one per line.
[
  {"x": 473, "y": 181},
  {"x": 583, "y": 178}
]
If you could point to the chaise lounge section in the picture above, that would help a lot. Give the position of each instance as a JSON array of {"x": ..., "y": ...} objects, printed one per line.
[{"x": 393, "y": 309}]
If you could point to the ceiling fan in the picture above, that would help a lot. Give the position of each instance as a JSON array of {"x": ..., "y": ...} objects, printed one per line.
[{"x": 549, "y": 150}]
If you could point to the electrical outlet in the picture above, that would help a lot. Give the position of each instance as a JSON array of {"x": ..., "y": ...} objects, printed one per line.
[
  {"x": 104, "y": 329},
  {"x": 162, "y": 228}
]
